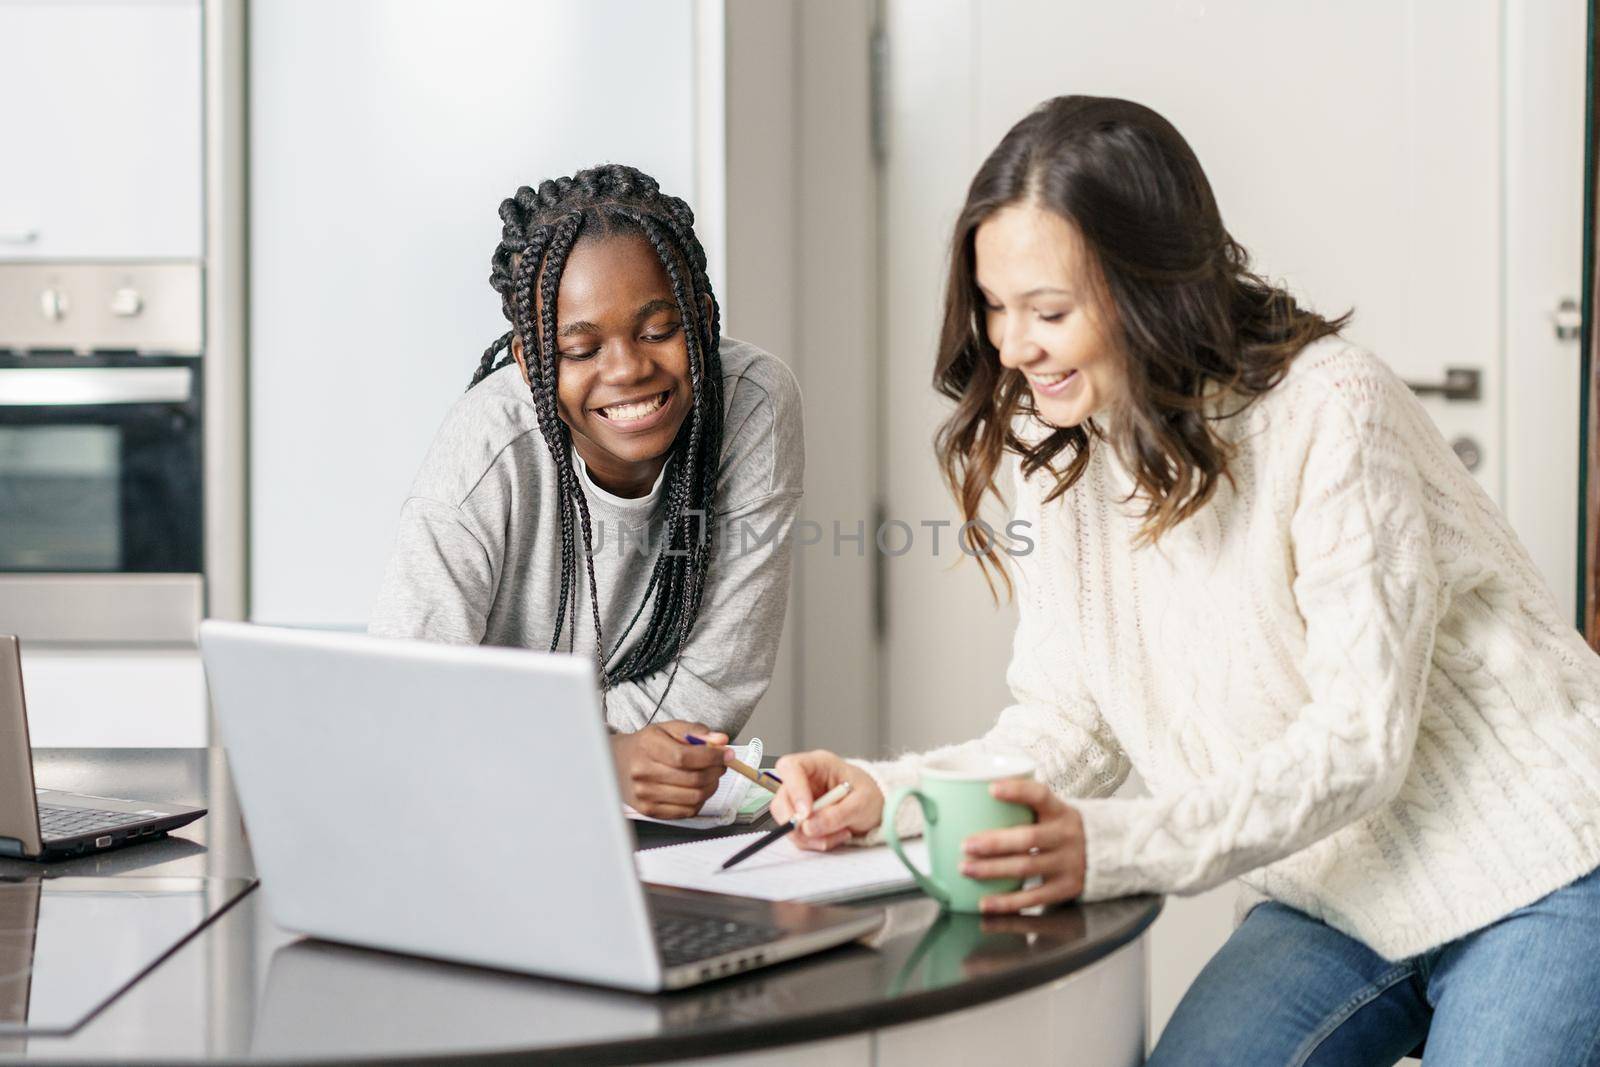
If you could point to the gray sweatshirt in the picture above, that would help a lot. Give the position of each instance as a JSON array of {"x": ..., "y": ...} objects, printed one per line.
[{"x": 478, "y": 556}]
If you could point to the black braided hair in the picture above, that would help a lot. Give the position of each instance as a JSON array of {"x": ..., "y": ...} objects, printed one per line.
[{"x": 539, "y": 228}]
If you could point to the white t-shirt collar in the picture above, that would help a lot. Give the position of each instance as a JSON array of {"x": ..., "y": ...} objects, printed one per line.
[{"x": 594, "y": 491}]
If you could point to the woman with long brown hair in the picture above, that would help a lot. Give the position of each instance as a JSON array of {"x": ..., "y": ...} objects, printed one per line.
[{"x": 1259, "y": 576}]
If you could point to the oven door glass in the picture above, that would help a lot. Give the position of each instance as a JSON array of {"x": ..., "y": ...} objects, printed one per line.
[{"x": 99, "y": 468}]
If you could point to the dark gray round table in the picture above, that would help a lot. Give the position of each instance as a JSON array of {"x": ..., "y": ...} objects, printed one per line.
[{"x": 929, "y": 988}]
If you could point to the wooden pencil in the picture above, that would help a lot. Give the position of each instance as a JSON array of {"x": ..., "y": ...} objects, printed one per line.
[{"x": 765, "y": 779}]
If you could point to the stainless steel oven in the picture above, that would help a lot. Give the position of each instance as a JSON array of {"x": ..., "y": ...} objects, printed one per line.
[{"x": 101, "y": 466}]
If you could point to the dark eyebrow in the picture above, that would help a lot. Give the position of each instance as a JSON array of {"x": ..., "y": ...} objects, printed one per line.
[
  {"x": 1044, "y": 290},
  {"x": 643, "y": 313},
  {"x": 654, "y": 306},
  {"x": 578, "y": 327}
]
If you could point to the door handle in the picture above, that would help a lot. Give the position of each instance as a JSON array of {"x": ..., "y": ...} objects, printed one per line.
[
  {"x": 72, "y": 387},
  {"x": 1460, "y": 383}
]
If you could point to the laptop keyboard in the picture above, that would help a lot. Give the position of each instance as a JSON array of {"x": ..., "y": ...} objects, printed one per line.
[
  {"x": 71, "y": 822},
  {"x": 687, "y": 938}
]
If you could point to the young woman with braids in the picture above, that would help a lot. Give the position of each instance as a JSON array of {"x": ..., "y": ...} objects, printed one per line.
[
  {"x": 596, "y": 488},
  {"x": 1261, "y": 578}
]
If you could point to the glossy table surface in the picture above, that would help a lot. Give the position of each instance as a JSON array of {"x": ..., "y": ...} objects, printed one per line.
[{"x": 243, "y": 990}]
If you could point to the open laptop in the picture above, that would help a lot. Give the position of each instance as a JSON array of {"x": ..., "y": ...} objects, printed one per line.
[
  {"x": 461, "y": 803},
  {"x": 46, "y": 824}
]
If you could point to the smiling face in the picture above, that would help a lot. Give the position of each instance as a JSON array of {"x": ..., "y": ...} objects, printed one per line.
[
  {"x": 1037, "y": 287},
  {"x": 622, "y": 362}
]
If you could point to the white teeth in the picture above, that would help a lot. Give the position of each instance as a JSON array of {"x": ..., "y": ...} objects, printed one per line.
[
  {"x": 1049, "y": 379},
  {"x": 630, "y": 412}
]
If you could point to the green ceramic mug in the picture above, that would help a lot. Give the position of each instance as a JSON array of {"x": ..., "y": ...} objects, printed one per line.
[{"x": 954, "y": 793}]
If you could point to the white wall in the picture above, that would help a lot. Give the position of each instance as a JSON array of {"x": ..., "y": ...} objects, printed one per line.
[
  {"x": 383, "y": 136},
  {"x": 757, "y": 77},
  {"x": 948, "y": 642},
  {"x": 801, "y": 193}
]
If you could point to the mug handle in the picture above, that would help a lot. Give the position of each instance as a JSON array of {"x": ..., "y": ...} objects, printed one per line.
[{"x": 891, "y": 836}]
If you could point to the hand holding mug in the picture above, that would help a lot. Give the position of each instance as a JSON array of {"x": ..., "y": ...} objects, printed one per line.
[
  {"x": 1050, "y": 848},
  {"x": 988, "y": 798}
]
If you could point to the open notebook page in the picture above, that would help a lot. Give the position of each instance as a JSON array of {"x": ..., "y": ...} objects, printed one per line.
[{"x": 781, "y": 871}]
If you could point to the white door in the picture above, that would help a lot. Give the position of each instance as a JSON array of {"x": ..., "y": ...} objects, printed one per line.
[{"x": 1420, "y": 162}]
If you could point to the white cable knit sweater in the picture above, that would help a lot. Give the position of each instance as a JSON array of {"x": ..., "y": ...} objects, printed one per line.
[{"x": 1342, "y": 680}]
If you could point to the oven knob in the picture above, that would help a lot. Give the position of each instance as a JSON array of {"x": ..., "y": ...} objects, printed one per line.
[
  {"x": 126, "y": 302},
  {"x": 53, "y": 302}
]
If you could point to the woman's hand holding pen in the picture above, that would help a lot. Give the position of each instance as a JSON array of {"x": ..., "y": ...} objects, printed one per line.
[
  {"x": 808, "y": 775},
  {"x": 662, "y": 776}
]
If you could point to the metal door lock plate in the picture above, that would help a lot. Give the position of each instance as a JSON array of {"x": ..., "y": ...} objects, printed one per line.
[
  {"x": 1567, "y": 319},
  {"x": 1468, "y": 451}
]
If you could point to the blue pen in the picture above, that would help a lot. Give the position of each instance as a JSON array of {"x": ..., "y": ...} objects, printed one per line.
[{"x": 744, "y": 769}]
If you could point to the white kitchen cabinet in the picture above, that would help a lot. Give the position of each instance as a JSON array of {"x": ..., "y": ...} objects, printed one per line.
[
  {"x": 100, "y": 130},
  {"x": 115, "y": 697}
]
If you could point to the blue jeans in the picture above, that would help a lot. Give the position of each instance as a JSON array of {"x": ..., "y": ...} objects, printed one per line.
[{"x": 1287, "y": 989}]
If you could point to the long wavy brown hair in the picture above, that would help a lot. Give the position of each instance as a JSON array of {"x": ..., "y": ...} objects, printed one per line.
[{"x": 1183, "y": 310}]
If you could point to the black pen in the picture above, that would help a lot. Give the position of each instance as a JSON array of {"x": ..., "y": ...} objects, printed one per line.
[{"x": 828, "y": 799}]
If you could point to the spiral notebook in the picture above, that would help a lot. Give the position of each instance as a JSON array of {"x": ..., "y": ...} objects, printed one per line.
[{"x": 781, "y": 871}]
